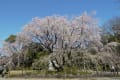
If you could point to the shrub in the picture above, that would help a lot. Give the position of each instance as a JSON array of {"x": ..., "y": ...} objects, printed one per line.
[
  {"x": 40, "y": 64},
  {"x": 93, "y": 50}
]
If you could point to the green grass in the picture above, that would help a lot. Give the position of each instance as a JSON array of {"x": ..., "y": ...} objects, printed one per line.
[
  {"x": 17, "y": 73},
  {"x": 73, "y": 71}
]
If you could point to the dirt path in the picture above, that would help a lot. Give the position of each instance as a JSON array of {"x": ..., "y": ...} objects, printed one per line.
[{"x": 105, "y": 78}]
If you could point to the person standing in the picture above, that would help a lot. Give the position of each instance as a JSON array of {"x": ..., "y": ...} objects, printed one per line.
[
  {"x": 117, "y": 69},
  {"x": 112, "y": 68}
]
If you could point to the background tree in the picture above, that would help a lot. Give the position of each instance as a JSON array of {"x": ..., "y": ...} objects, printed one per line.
[
  {"x": 11, "y": 39},
  {"x": 111, "y": 30}
]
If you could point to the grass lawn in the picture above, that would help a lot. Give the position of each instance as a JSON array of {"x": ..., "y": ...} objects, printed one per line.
[
  {"x": 20, "y": 75},
  {"x": 43, "y": 73}
]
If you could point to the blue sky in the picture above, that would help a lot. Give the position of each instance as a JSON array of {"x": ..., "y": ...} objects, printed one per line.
[{"x": 14, "y": 14}]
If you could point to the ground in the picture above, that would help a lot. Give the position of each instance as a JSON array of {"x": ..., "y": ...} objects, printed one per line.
[
  {"x": 13, "y": 74},
  {"x": 99, "y": 78}
]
